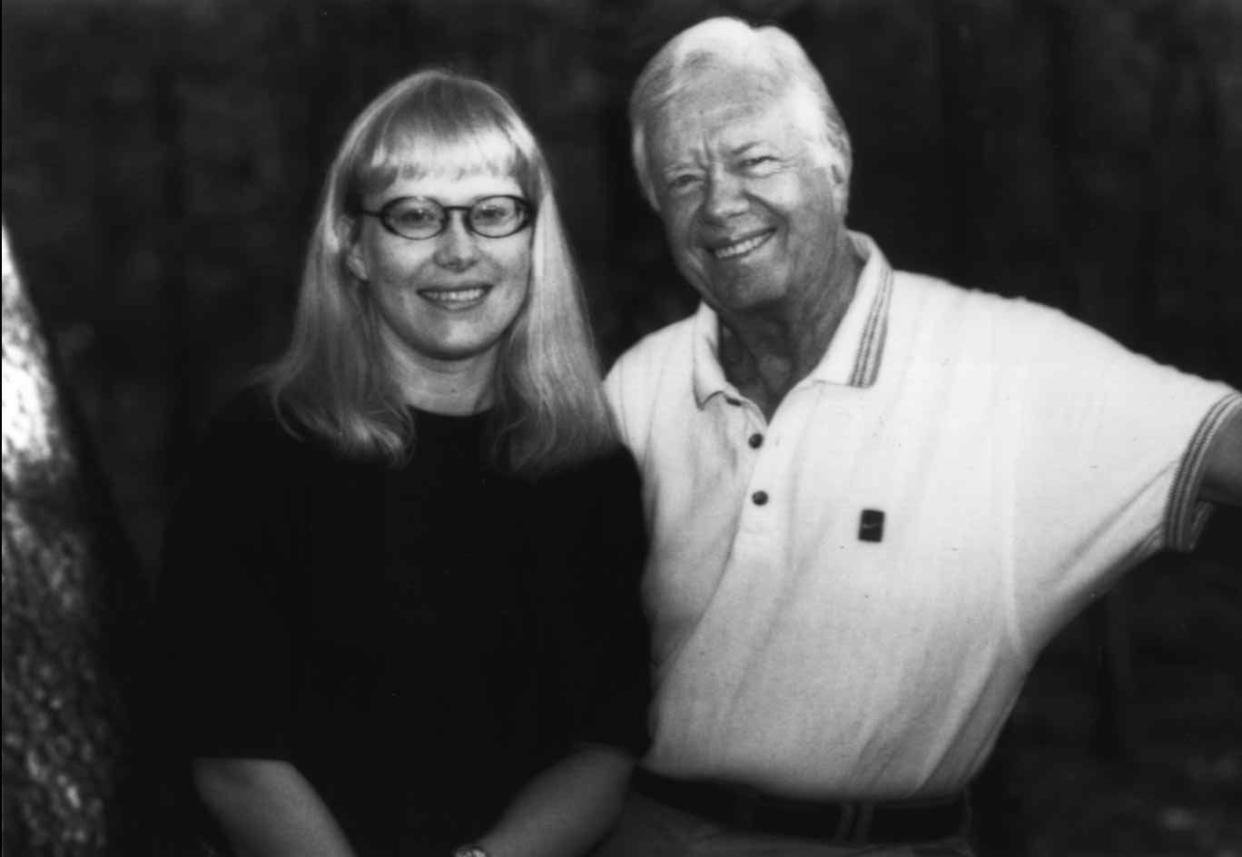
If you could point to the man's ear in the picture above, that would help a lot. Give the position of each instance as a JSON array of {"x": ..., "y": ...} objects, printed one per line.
[{"x": 840, "y": 187}]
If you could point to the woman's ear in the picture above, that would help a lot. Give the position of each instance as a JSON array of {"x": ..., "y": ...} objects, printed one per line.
[{"x": 355, "y": 262}]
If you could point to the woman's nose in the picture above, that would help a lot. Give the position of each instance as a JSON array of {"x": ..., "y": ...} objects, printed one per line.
[{"x": 457, "y": 247}]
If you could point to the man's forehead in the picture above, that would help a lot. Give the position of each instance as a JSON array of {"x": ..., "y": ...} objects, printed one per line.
[
  {"x": 725, "y": 111},
  {"x": 728, "y": 89}
]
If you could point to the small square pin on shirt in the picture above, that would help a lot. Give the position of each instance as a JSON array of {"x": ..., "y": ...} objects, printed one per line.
[{"x": 871, "y": 525}]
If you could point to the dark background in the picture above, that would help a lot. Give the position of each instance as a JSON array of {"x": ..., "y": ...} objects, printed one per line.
[{"x": 161, "y": 162}]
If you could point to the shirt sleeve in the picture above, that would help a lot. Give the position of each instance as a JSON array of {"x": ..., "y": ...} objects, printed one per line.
[
  {"x": 615, "y": 390},
  {"x": 225, "y": 635},
  {"x": 1110, "y": 451},
  {"x": 601, "y": 639},
  {"x": 635, "y": 381}
]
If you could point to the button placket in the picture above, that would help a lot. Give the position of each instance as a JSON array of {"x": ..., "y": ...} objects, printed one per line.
[
  {"x": 766, "y": 476},
  {"x": 756, "y": 439}
]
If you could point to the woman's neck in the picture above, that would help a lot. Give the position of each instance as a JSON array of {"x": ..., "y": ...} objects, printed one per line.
[{"x": 454, "y": 387}]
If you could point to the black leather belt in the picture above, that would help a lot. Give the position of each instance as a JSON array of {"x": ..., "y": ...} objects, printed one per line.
[{"x": 847, "y": 822}]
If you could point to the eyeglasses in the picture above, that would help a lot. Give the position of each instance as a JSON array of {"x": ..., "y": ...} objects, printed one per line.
[{"x": 419, "y": 218}]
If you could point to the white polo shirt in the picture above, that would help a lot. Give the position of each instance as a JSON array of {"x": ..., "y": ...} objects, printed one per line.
[{"x": 846, "y": 600}]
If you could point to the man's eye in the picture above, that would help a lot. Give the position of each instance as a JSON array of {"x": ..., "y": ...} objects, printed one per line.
[
  {"x": 757, "y": 161},
  {"x": 683, "y": 181}
]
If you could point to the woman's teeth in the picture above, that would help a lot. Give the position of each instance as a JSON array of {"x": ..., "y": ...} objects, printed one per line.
[
  {"x": 453, "y": 297},
  {"x": 738, "y": 248}
]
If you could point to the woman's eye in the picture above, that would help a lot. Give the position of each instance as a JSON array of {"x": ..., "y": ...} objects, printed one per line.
[
  {"x": 415, "y": 219},
  {"x": 682, "y": 182},
  {"x": 757, "y": 160},
  {"x": 415, "y": 216},
  {"x": 490, "y": 213}
]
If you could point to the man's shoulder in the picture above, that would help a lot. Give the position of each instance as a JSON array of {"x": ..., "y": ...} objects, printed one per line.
[
  {"x": 924, "y": 299},
  {"x": 939, "y": 322},
  {"x": 662, "y": 358},
  {"x": 652, "y": 380},
  {"x": 656, "y": 346},
  {"x": 934, "y": 291}
]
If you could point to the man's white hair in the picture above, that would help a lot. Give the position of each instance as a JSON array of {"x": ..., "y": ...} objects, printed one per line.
[{"x": 731, "y": 43}]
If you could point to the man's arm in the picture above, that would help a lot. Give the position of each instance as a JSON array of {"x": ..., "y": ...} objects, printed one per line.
[
  {"x": 266, "y": 808},
  {"x": 566, "y": 809},
  {"x": 1222, "y": 469}
]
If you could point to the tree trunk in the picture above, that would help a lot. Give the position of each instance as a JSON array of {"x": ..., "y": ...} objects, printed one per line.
[{"x": 72, "y": 604}]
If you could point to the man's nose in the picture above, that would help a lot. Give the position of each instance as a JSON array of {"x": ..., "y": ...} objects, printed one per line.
[
  {"x": 457, "y": 247},
  {"x": 725, "y": 196}
]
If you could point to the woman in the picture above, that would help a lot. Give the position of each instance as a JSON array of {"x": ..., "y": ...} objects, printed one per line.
[{"x": 402, "y": 584}]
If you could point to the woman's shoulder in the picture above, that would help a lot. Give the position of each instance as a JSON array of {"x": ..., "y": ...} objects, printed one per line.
[
  {"x": 609, "y": 469},
  {"x": 247, "y": 434},
  {"x": 602, "y": 488},
  {"x": 247, "y": 416}
]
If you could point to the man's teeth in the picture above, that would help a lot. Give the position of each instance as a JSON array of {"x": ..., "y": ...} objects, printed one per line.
[
  {"x": 744, "y": 246},
  {"x": 455, "y": 296}
]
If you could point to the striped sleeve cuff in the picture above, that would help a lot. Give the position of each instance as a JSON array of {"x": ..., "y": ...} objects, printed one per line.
[{"x": 1186, "y": 514}]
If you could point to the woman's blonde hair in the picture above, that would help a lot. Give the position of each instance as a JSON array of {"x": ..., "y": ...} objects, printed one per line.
[{"x": 334, "y": 379}]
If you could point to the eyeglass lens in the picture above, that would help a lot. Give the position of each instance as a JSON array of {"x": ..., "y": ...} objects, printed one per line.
[{"x": 418, "y": 217}]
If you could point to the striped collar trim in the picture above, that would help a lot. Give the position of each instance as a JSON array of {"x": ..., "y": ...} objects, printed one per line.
[{"x": 870, "y": 352}]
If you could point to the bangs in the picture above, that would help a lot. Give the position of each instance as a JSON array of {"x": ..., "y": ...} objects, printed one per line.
[{"x": 443, "y": 133}]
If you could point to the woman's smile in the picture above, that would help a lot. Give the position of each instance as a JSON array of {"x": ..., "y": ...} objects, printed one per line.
[{"x": 456, "y": 298}]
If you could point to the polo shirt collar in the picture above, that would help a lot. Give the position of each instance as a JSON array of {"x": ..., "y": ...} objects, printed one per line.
[{"x": 854, "y": 355}]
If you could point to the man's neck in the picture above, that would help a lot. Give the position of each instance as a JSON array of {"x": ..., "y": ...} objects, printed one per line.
[{"x": 765, "y": 354}]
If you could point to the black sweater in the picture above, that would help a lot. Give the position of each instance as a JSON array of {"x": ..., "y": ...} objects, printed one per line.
[{"x": 418, "y": 640}]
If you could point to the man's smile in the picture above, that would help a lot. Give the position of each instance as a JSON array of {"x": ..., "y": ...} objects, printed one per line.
[{"x": 742, "y": 246}]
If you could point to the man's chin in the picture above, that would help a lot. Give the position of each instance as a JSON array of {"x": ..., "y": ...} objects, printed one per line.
[{"x": 747, "y": 298}]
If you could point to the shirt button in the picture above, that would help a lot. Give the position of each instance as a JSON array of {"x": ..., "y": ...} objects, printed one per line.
[
  {"x": 759, "y": 497},
  {"x": 755, "y": 440}
]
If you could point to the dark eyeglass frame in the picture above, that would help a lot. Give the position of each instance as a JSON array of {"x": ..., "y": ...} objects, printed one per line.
[{"x": 526, "y": 213}]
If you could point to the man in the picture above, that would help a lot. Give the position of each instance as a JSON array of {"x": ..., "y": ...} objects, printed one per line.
[{"x": 873, "y": 496}]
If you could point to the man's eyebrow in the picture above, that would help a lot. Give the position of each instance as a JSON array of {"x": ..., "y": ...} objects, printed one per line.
[
  {"x": 744, "y": 148},
  {"x": 679, "y": 166}
]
